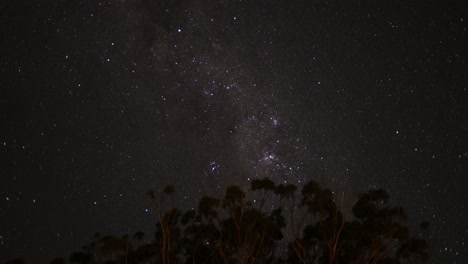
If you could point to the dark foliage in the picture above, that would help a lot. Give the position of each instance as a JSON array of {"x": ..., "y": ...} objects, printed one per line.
[{"x": 252, "y": 227}]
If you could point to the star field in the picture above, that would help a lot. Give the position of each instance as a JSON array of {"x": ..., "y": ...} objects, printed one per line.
[{"x": 103, "y": 100}]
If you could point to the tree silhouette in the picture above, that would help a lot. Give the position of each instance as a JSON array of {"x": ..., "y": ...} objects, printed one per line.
[
  {"x": 250, "y": 234},
  {"x": 250, "y": 227},
  {"x": 320, "y": 239},
  {"x": 265, "y": 186},
  {"x": 167, "y": 230},
  {"x": 201, "y": 234}
]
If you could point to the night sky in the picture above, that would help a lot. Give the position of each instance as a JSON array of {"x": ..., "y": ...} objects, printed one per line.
[{"x": 101, "y": 101}]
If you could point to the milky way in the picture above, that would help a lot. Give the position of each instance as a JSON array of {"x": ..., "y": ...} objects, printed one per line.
[{"x": 102, "y": 101}]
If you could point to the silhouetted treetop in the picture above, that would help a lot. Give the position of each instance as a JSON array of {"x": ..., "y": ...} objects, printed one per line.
[{"x": 239, "y": 229}]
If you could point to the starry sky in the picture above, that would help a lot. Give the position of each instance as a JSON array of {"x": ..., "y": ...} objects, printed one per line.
[{"x": 101, "y": 101}]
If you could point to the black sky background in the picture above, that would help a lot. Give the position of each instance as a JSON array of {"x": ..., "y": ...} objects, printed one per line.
[{"x": 103, "y": 100}]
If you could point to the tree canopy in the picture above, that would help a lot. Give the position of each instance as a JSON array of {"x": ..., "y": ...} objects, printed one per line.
[{"x": 267, "y": 223}]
